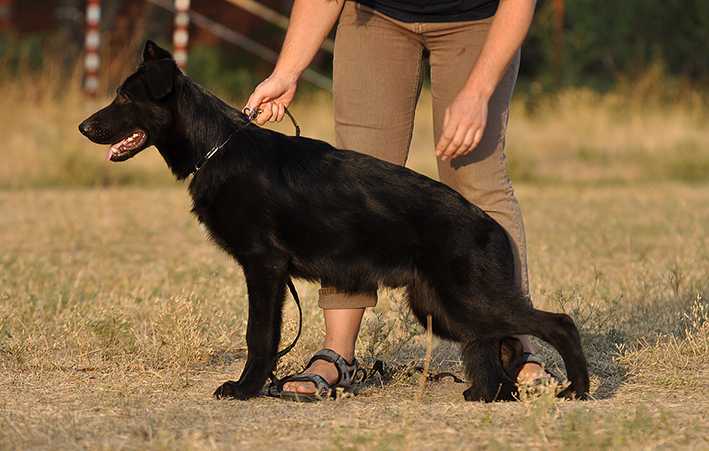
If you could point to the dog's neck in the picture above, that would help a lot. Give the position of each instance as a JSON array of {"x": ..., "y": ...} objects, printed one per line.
[{"x": 203, "y": 122}]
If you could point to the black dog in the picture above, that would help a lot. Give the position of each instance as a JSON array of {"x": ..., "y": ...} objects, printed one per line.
[{"x": 288, "y": 206}]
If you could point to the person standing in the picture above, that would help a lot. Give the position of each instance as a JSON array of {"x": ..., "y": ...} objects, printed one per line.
[{"x": 474, "y": 54}]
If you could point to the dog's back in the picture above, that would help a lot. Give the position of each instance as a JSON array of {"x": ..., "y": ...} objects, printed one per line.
[{"x": 342, "y": 209}]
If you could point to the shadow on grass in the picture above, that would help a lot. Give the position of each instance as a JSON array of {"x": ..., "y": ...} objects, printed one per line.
[{"x": 622, "y": 324}]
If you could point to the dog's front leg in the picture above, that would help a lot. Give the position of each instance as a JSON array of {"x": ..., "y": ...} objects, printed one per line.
[{"x": 265, "y": 280}]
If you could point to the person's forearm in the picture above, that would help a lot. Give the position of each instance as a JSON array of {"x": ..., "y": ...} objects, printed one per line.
[
  {"x": 310, "y": 23},
  {"x": 507, "y": 32}
]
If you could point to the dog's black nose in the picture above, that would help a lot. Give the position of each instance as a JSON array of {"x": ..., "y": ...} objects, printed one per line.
[{"x": 86, "y": 128}]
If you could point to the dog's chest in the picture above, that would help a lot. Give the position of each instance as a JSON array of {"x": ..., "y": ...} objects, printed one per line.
[
  {"x": 227, "y": 228},
  {"x": 210, "y": 225}
]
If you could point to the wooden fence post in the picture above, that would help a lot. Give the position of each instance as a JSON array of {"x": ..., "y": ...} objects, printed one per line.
[
  {"x": 92, "y": 60},
  {"x": 181, "y": 35}
]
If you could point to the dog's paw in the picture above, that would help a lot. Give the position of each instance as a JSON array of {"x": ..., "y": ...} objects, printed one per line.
[
  {"x": 231, "y": 390},
  {"x": 571, "y": 394}
]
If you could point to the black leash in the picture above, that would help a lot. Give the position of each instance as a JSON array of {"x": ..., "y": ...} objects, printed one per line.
[
  {"x": 250, "y": 116},
  {"x": 386, "y": 373},
  {"x": 288, "y": 348},
  {"x": 291, "y": 287},
  {"x": 272, "y": 388}
]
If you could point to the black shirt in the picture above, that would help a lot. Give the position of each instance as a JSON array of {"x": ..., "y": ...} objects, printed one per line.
[{"x": 434, "y": 10}]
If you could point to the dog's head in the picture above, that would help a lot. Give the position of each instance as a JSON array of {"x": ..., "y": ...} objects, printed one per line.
[{"x": 141, "y": 111}]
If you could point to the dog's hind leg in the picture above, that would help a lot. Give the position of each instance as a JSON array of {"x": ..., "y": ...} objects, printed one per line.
[
  {"x": 559, "y": 330},
  {"x": 424, "y": 300},
  {"x": 266, "y": 281},
  {"x": 454, "y": 319},
  {"x": 485, "y": 373}
]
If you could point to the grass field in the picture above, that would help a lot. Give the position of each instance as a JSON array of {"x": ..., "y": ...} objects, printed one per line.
[{"x": 118, "y": 319}]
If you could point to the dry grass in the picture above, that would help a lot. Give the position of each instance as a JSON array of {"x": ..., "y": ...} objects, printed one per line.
[{"x": 118, "y": 319}]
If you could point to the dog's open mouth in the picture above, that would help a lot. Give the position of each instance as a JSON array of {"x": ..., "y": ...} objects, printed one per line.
[{"x": 127, "y": 147}]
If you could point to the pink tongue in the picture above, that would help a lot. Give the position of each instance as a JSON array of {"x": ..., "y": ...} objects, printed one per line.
[
  {"x": 111, "y": 150},
  {"x": 114, "y": 149}
]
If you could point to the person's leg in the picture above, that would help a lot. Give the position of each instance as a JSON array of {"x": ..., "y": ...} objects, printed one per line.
[
  {"x": 341, "y": 330},
  {"x": 481, "y": 176},
  {"x": 377, "y": 79}
]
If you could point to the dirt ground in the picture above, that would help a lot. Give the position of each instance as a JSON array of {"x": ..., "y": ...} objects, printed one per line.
[{"x": 118, "y": 319}]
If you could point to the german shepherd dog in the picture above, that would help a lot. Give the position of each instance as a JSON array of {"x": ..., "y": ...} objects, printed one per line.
[{"x": 286, "y": 206}]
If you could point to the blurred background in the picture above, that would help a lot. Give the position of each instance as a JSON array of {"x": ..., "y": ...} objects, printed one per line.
[{"x": 609, "y": 93}]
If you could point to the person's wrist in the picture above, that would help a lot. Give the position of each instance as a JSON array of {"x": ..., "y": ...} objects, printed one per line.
[
  {"x": 478, "y": 90},
  {"x": 288, "y": 76}
]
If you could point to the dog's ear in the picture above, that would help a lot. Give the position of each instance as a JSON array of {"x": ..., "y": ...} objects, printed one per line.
[
  {"x": 153, "y": 52},
  {"x": 159, "y": 77}
]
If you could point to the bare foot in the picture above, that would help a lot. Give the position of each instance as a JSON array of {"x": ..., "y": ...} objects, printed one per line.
[
  {"x": 530, "y": 372},
  {"x": 325, "y": 369}
]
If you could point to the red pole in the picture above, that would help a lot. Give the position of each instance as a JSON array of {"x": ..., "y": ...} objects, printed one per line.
[
  {"x": 181, "y": 35},
  {"x": 92, "y": 43},
  {"x": 5, "y": 14}
]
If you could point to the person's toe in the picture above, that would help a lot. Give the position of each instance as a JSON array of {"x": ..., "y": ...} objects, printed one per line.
[
  {"x": 530, "y": 372},
  {"x": 305, "y": 387}
]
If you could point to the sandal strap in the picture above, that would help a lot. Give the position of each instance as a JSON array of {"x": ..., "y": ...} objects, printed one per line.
[
  {"x": 516, "y": 365},
  {"x": 528, "y": 357},
  {"x": 345, "y": 370}
]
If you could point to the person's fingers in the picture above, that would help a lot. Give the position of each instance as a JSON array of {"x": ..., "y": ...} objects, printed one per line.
[
  {"x": 265, "y": 114},
  {"x": 481, "y": 132},
  {"x": 478, "y": 137},
  {"x": 447, "y": 134},
  {"x": 255, "y": 100},
  {"x": 265, "y": 92},
  {"x": 281, "y": 112},
  {"x": 274, "y": 112},
  {"x": 454, "y": 146},
  {"x": 467, "y": 145},
  {"x": 444, "y": 142}
]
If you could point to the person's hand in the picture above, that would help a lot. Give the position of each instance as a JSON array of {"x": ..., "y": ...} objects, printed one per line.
[
  {"x": 272, "y": 96},
  {"x": 463, "y": 126}
]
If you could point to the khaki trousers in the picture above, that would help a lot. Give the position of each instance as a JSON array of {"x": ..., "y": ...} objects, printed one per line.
[{"x": 378, "y": 69}]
